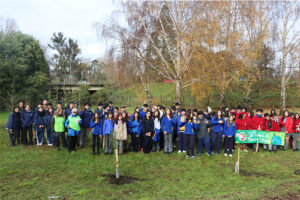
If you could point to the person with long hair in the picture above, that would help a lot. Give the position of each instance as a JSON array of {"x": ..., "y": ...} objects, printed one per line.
[
  {"x": 148, "y": 131},
  {"x": 108, "y": 128},
  {"x": 96, "y": 126},
  {"x": 86, "y": 115},
  {"x": 49, "y": 126},
  {"x": 257, "y": 123},
  {"x": 241, "y": 124},
  {"x": 156, "y": 135},
  {"x": 180, "y": 130},
  {"x": 216, "y": 138},
  {"x": 39, "y": 126},
  {"x": 58, "y": 122},
  {"x": 120, "y": 133},
  {"x": 229, "y": 132},
  {"x": 13, "y": 126},
  {"x": 167, "y": 125},
  {"x": 296, "y": 132},
  {"x": 286, "y": 125},
  {"x": 135, "y": 131}
]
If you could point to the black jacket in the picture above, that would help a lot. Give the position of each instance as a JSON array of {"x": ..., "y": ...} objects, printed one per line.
[
  {"x": 148, "y": 125},
  {"x": 202, "y": 130}
]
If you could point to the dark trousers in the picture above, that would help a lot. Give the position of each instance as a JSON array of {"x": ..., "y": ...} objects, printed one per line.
[
  {"x": 190, "y": 144},
  {"x": 135, "y": 142},
  {"x": 161, "y": 140},
  {"x": 147, "y": 143},
  {"x": 24, "y": 138},
  {"x": 72, "y": 140},
  {"x": 96, "y": 139},
  {"x": 57, "y": 140},
  {"x": 181, "y": 142},
  {"x": 203, "y": 142},
  {"x": 175, "y": 134},
  {"x": 12, "y": 138},
  {"x": 216, "y": 139},
  {"x": 18, "y": 136},
  {"x": 228, "y": 144}
]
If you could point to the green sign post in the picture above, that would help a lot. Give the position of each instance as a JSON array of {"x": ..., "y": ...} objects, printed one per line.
[{"x": 263, "y": 137}]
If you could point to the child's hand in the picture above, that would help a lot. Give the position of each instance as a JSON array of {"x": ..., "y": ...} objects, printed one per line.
[
  {"x": 229, "y": 136},
  {"x": 165, "y": 132},
  {"x": 68, "y": 126},
  {"x": 221, "y": 121},
  {"x": 206, "y": 122},
  {"x": 11, "y": 130}
]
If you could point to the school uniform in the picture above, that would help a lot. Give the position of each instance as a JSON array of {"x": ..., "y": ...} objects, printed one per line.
[
  {"x": 286, "y": 125},
  {"x": 267, "y": 126},
  {"x": 86, "y": 116},
  {"x": 13, "y": 127},
  {"x": 275, "y": 126},
  {"x": 39, "y": 126},
  {"x": 135, "y": 131},
  {"x": 108, "y": 128},
  {"x": 257, "y": 122},
  {"x": 296, "y": 135},
  {"x": 97, "y": 131},
  {"x": 27, "y": 118},
  {"x": 217, "y": 132},
  {"x": 156, "y": 135},
  {"x": 229, "y": 133},
  {"x": 147, "y": 126},
  {"x": 180, "y": 131},
  {"x": 59, "y": 130},
  {"x": 73, "y": 123},
  {"x": 49, "y": 128},
  {"x": 167, "y": 125},
  {"x": 203, "y": 135},
  {"x": 189, "y": 136}
]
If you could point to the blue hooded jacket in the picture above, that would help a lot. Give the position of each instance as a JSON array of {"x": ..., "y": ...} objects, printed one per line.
[
  {"x": 229, "y": 131},
  {"x": 49, "y": 119},
  {"x": 217, "y": 127},
  {"x": 167, "y": 125},
  {"x": 108, "y": 127},
  {"x": 135, "y": 127},
  {"x": 190, "y": 127},
  {"x": 86, "y": 116},
  {"x": 72, "y": 132},
  {"x": 96, "y": 127},
  {"x": 13, "y": 122},
  {"x": 27, "y": 118},
  {"x": 39, "y": 120},
  {"x": 68, "y": 112}
]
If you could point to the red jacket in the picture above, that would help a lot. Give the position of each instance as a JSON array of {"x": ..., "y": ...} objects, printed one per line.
[
  {"x": 241, "y": 124},
  {"x": 257, "y": 122},
  {"x": 275, "y": 126},
  {"x": 289, "y": 123},
  {"x": 266, "y": 124},
  {"x": 297, "y": 122}
]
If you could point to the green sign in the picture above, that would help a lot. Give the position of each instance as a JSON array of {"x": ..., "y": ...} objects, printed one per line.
[{"x": 263, "y": 137}]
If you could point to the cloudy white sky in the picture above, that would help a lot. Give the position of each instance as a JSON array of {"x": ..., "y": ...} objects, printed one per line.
[{"x": 75, "y": 18}]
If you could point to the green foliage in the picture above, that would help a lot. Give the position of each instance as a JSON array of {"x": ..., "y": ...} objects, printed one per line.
[
  {"x": 23, "y": 69},
  {"x": 100, "y": 96}
]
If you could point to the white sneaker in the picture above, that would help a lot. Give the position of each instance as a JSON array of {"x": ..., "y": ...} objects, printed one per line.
[
  {"x": 179, "y": 151},
  {"x": 225, "y": 154},
  {"x": 246, "y": 150},
  {"x": 193, "y": 157},
  {"x": 50, "y": 145},
  {"x": 207, "y": 154},
  {"x": 230, "y": 155},
  {"x": 183, "y": 151}
]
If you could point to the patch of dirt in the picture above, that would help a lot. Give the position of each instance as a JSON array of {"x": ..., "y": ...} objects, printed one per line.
[
  {"x": 256, "y": 174},
  {"x": 288, "y": 196},
  {"x": 120, "y": 181}
]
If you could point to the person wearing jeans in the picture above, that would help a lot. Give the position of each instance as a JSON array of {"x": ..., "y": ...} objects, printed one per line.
[
  {"x": 86, "y": 115},
  {"x": 202, "y": 134},
  {"x": 216, "y": 138}
]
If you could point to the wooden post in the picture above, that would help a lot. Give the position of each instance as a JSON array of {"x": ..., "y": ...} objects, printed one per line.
[
  {"x": 256, "y": 147},
  {"x": 103, "y": 141},
  {"x": 117, "y": 164},
  {"x": 238, "y": 167}
]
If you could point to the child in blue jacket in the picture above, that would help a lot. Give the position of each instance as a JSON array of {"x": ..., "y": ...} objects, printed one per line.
[
  {"x": 218, "y": 125},
  {"x": 86, "y": 115},
  {"x": 190, "y": 127},
  {"x": 27, "y": 117},
  {"x": 167, "y": 126},
  {"x": 229, "y": 132},
  {"x": 73, "y": 123},
  {"x": 135, "y": 131},
  {"x": 108, "y": 128},
  {"x": 96, "y": 125},
  {"x": 49, "y": 126},
  {"x": 13, "y": 126},
  {"x": 39, "y": 125}
]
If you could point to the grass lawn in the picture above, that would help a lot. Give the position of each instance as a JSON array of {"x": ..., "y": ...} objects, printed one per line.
[{"x": 39, "y": 172}]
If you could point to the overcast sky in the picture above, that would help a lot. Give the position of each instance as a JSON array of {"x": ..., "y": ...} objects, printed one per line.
[{"x": 75, "y": 18}]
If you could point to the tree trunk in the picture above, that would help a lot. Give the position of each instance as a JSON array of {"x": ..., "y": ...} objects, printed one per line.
[
  {"x": 178, "y": 90},
  {"x": 146, "y": 89},
  {"x": 222, "y": 98},
  {"x": 282, "y": 94}
]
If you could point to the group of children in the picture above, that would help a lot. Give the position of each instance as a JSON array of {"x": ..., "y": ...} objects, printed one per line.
[{"x": 150, "y": 129}]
